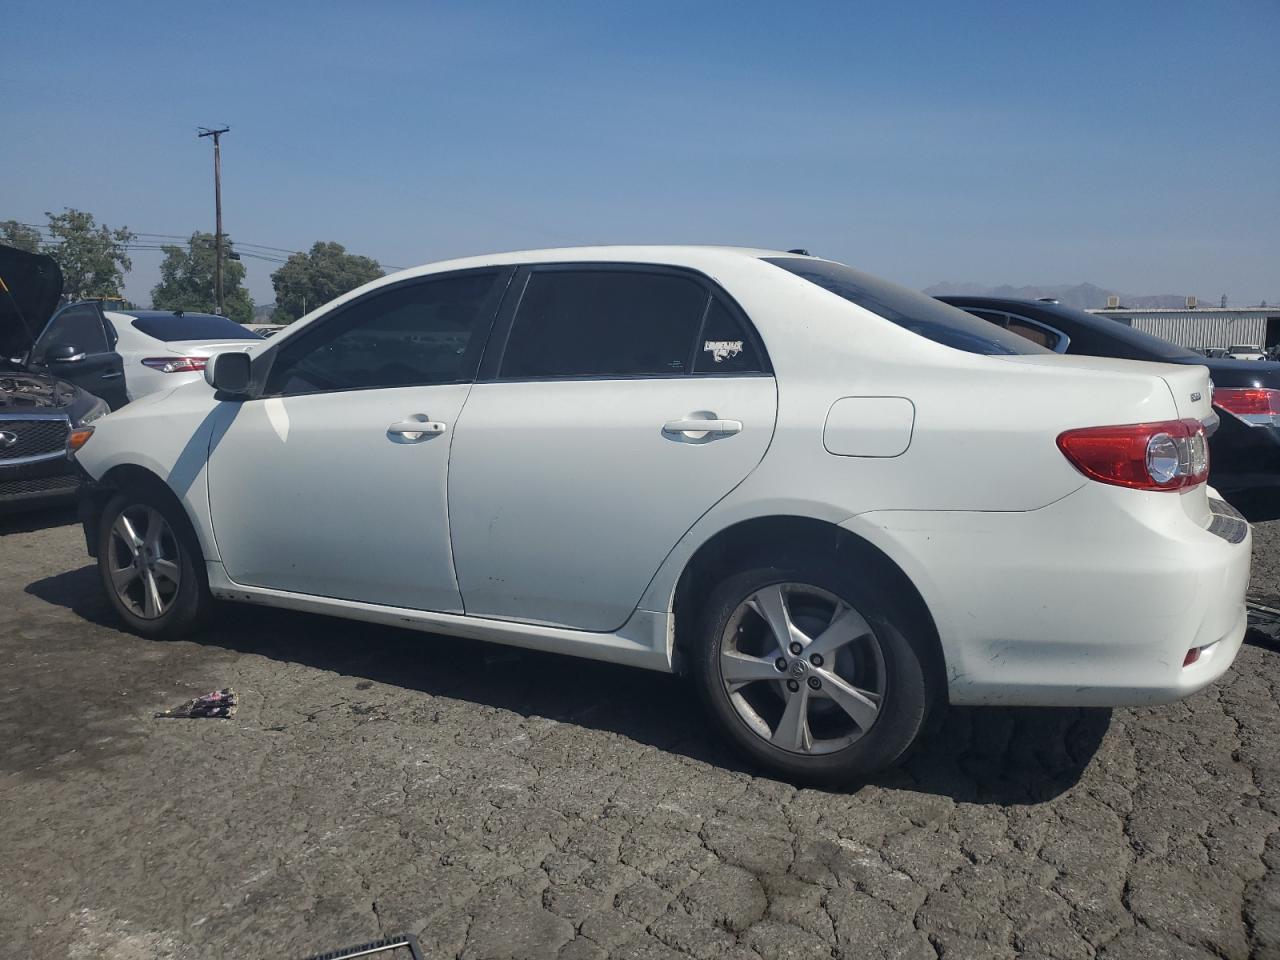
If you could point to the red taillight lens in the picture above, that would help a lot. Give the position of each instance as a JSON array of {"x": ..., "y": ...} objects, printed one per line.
[
  {"x": 1256, "y": 406},
  {"x": 1169, "y": 455},
  {"x": 176, "y": 364}
]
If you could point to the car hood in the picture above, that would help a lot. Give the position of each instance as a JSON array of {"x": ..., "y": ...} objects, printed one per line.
[
  {"x": 33, "y": 392},
  {"x": 29, "y": 293}
]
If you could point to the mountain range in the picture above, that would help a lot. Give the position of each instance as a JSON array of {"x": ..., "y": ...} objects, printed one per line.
[{"x": 1084, "y": 296}]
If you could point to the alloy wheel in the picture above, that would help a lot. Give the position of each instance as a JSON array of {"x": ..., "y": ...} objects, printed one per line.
[
  {"x": 802, "y": 668},
  {"x": 144, "y": 562}
]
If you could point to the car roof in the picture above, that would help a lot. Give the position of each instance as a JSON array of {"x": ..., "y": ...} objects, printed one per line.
[
  {"x": 692, "y": 256},
  {"x": 689, "y": 255}
]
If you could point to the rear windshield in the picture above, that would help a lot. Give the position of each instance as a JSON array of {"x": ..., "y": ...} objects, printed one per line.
[
  {"x": 200, "y": 326},
  {"x": 1139, "y": 345},
  {"x": 917, "y": 312}
]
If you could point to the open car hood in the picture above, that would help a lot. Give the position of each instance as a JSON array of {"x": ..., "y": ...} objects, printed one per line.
[{"x": 29, "y": 292}]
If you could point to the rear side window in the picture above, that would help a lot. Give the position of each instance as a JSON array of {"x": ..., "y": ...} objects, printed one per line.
[
  {"x": 921, "y": 314},
  {"x": 200, "y": 326},
  {"x": 725, "y": 346},
  {"x": 1034, "y": 332},
  {"x": 604, "y": 323}
]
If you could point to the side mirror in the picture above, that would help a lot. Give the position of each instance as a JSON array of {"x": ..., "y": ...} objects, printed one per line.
[
  {"x": 229, "y": 373},
  {"x": 63, "y": 353}
]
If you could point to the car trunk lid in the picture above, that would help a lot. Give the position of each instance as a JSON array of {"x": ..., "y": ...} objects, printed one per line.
[
  {"x": 1190, "y": 389},
  {"x": 206, "y": 348}
]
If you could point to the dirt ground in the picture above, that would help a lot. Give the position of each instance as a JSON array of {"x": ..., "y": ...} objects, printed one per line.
[{"x": 504, "y": 804}]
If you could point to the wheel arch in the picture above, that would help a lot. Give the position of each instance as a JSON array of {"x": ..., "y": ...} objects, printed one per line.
[
  {"x": 759, "y": 539},
  {"x": 121, "y": 478}
]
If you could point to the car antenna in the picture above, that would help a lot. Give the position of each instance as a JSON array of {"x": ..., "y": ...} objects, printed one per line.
[
  {"x": 177, "y": 313},
  {"x": 801, "y": 251}
]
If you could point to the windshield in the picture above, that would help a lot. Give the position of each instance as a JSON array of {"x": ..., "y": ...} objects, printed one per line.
[
  {"x": 920, "y": 314},
  {"x": 199, "y": 326}
]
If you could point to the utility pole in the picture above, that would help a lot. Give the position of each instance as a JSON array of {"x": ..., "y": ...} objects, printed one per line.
[{"x": 217, "y": 202}]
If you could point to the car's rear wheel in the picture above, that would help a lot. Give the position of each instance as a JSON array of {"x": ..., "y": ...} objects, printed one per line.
[
  {"x": 809, "y": 673},
  {"x": 150, "y": 564}
]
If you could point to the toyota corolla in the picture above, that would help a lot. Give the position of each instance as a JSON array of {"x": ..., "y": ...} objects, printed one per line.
[{"x": 835, "y": 503}]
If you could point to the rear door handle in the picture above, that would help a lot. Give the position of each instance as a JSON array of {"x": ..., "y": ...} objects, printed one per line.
[
  {"x": 112, "y": 376},
  {"x": 413, "y": 430},
  {"x": 694, "y": 425}
]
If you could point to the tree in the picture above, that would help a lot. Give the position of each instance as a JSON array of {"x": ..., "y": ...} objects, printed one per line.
[
  {"x": 15, "y": 234},
  {"x": 308, "y": 280},
  {"x": 94, "y": 259},
  {"x": 187, "y": 280}
]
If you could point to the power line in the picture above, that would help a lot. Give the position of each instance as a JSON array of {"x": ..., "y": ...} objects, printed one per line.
[{"x": 256, "y": 251}]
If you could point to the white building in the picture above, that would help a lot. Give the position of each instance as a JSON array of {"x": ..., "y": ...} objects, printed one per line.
[{"x": 1200, "y": 327}]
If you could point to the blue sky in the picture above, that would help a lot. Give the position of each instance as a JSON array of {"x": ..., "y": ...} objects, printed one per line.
[{"x": 1133, "y": 145}]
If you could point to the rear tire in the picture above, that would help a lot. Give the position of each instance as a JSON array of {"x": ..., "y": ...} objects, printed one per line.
[
  {"x": 842, "y": 697},
  {"x": 151, "y": 566}
]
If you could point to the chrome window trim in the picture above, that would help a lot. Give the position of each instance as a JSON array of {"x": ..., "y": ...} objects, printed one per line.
[{"x": 1064, "y": 340}]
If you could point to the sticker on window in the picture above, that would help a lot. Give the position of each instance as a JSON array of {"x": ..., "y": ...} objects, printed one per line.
[{"x": 722, "y": 349}]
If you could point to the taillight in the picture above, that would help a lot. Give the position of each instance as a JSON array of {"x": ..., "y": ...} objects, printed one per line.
[
  {"x": 1169, "y": 455},
  {"x": 176, "y": 364},
  {"x": 1256, "y": 406}
]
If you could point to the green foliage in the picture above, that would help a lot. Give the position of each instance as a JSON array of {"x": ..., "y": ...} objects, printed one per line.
[
  {"x": 93, "y": 258},
  {"x": 15, "y": 234},
  {"x": 308, "y": 280},
  {"x": 187, "y": 280}
]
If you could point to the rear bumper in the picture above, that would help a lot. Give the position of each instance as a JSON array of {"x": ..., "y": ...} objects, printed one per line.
[
  {"x": 1092, "y": 601},
  {"x": 1244, "y": 459}
]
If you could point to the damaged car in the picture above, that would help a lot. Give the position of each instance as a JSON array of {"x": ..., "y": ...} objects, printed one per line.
[
  {"x": 40, "y": 415},
  {"x": 834, "y": 503}
]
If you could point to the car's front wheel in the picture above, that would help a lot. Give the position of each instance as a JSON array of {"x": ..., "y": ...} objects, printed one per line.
[
  {"x": 809, "y": 673},
  {"x": 150, "y": 564}
]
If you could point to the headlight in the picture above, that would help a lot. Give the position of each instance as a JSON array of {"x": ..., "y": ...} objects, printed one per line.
[{"x": 96, "y": 412}]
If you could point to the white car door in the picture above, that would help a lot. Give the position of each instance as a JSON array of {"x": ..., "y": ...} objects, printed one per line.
[
  {"x": 585, "y": 452},
  {"x": 334, "y": 482}
]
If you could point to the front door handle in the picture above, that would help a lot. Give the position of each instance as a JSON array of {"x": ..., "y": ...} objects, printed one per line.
[
  {"x": 415, "y": 429},
  {"x": 112, "y": 375},
  {"x": 695, "y": 425}
]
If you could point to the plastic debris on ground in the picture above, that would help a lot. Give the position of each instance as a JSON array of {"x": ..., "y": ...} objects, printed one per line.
[{"x": 220, "y": 704}]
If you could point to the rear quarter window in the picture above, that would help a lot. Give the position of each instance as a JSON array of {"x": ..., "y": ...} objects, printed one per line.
[{"x": 921, "y": 314}]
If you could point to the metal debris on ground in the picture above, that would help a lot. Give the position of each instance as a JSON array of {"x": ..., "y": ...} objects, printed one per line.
[
  {"x": 407, "y": 940},
  {"x": 1263, "y": 618},
  {"x": 220, "y": 704}
]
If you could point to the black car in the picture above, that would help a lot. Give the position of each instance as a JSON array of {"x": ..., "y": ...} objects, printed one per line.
[
  {"x": 37, "y": 412},
  {"x": 1244, "y": 452}
]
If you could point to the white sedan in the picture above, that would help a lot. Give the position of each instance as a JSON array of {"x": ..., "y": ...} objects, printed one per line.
[
  {"x": 836, "y": 503},
  {"x": 161, "y": 349}
]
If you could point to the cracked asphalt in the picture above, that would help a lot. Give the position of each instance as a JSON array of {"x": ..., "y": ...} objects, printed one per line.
[{"x": 504, "y": 804}]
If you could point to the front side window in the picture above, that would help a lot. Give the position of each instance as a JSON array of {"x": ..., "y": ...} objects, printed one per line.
[
  {"x": 604, "y": 323},
  {"x": 921, "y": 314},
  {"x": 77, "y": 326},
  {"x": 425, "y": 332}
]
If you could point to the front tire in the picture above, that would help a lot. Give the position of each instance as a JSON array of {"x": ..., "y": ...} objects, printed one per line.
[
  {"x": 151, "y": 567},
  {"x": 809, "y": 671}
]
